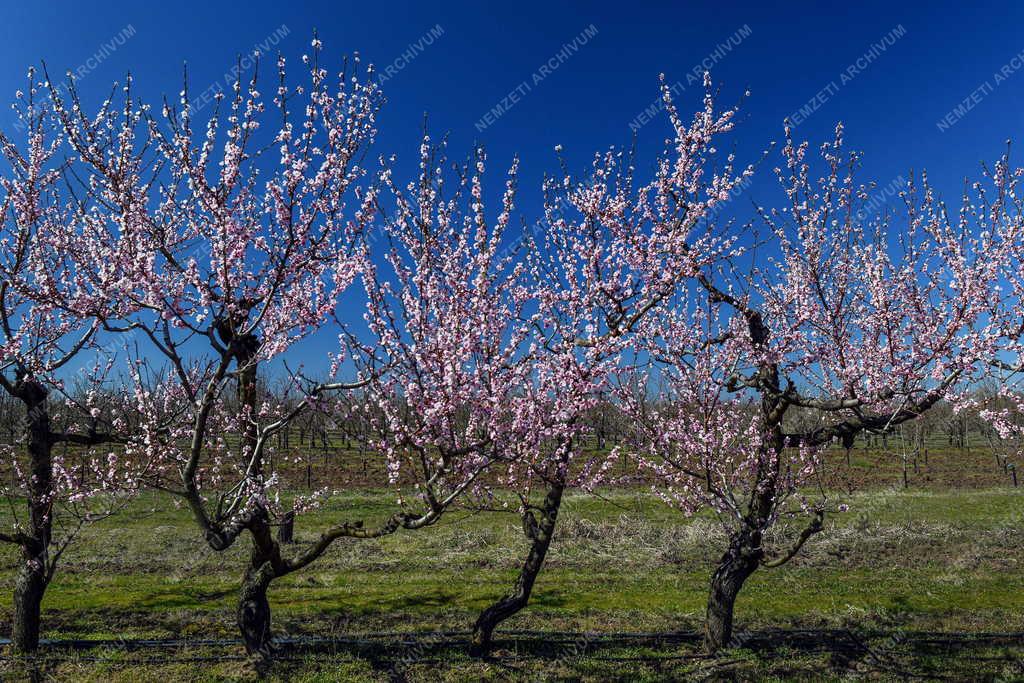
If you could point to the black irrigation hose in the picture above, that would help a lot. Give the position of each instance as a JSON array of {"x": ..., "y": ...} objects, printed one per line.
[
  {"x": 444, "y": 637},
  {"x": 392, "y": 661}
]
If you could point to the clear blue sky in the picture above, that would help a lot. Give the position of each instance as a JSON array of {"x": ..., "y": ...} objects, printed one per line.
[
  {"x": 786, "y": 54},
  {"x": 794, "y": 50}
]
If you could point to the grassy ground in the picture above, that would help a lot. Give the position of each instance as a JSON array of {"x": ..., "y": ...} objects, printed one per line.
[{"x": 864, "y": 600}]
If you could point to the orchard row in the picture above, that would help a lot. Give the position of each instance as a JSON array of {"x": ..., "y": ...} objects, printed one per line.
[{"x": 158, "y": 266}]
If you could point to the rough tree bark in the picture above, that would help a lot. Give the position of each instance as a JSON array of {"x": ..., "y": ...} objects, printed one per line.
[
  {"x": 738, "y": 562},
  {"x": 540, "y": 534},
  {"x": 253, "y": 605},
  {"x": 33, "y": 575},
  {"x": 745, "y": 551},
  {"x": 265, "y": 562}
]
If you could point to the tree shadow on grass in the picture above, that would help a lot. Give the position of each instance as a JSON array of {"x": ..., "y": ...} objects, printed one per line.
[
  {"x": 790, "y": 653},
  {"x": 890, "y": 654}
]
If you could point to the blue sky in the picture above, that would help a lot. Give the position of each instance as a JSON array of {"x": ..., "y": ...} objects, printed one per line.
[
  {"x": 793, "y": 51},
  {"x": 459, "y": 61}
]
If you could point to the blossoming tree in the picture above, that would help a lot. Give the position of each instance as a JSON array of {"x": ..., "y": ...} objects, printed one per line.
[
  {"x": 447, "y": 357},
  {"x": 247, "y": 238},
  {"x": 864, "y": 324},
  {"x": 611, "y": 250},
  {"x": 57, "y": 283},
  {"x": 997, "y": 206}
]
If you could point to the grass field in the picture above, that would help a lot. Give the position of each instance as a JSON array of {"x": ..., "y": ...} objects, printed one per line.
[{"x": 926, "y": 582}]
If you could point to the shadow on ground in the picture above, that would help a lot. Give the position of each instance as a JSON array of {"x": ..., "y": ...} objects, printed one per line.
[{"x": 899, "y": 654}]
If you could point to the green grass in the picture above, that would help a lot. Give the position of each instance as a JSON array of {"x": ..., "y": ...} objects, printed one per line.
[{"x": 900, "y": 561}]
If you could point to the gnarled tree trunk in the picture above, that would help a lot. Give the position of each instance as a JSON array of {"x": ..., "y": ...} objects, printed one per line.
[
  {"x": 738, "y": 562},
  {"x": 29, "y": 588},
  {"x": 265, "y": 564},
  {"x": 33, "y": 575},
  {"x": 253, "y": 606},
  {"x": 540, "y": 535},
  {"x": 745, "y": 552}
]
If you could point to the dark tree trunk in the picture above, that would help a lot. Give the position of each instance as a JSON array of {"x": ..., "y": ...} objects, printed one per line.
[
  {"x": 253, "y": 605},
  {"x": 540, "y": 535},
  {"x": 265, "y": 559},
  {"x": 33, "y": 575},
  {"x": 248, "y": 398},
  {"x": 29, "y": 589},
  {"x": 32, "y": 579},
  {"x": 254, "y": 608},
  {"x": 742, "y": 557},
  {"x": 737, "y": 564},
  {"x": 744, "y": 553}
]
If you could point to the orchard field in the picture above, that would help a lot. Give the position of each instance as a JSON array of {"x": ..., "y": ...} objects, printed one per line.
[
  {"x": 918, "y": 582},
  {"x": 292, "y": 391}
]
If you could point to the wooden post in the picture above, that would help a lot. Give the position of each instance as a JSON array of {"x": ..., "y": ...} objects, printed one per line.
[{"x": 286, "y": 532}]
